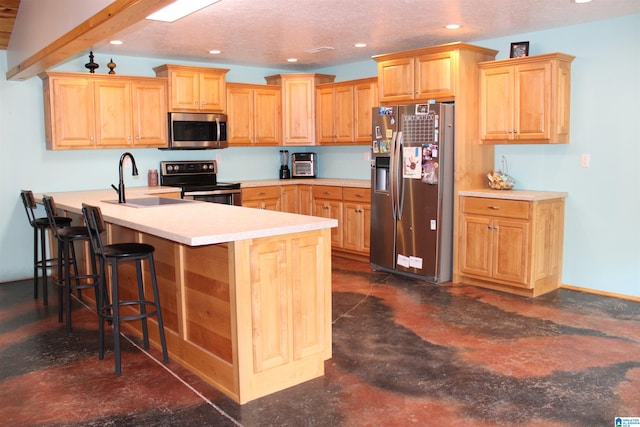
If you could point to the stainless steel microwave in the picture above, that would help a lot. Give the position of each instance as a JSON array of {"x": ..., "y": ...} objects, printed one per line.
[{"x": 197, "y": 131}]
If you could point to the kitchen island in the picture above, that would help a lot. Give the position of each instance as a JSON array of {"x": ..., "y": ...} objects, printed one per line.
[{"x": 245, "y": 293}]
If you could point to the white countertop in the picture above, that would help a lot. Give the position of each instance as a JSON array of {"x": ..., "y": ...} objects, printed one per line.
[
  {"x": 527, "y": 195},
  {"x": 191, "y": 223},
  {"x": 336, "y": 182}
]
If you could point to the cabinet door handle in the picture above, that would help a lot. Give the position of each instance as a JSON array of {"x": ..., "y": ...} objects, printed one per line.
[{"x": 494, "y": 208}]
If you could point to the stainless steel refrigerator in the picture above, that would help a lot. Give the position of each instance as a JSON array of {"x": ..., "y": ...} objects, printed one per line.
[{"x": 412, "y": 190}]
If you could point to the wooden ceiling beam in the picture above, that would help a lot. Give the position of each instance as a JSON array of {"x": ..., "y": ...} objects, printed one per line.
[{"x": 116, "y": 17}]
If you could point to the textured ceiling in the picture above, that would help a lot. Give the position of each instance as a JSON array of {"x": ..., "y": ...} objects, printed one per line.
[{"x": 267, "y": 32}]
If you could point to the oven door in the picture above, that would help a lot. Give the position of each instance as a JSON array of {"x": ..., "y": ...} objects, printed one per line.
[{"x": 225, "y": 197}]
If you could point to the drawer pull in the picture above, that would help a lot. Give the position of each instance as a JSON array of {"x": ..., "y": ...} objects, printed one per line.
[{"x": 495, "y": 208}]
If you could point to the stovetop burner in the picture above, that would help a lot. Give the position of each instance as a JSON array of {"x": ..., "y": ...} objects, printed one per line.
[{"x": 194, "y": 175}]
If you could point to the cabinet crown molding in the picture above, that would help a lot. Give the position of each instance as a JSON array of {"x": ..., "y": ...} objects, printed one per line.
[
  {"x": 435, "y": 49},
  {"x": 528, "y": 59},
  {"x": 177, "y": 67}
]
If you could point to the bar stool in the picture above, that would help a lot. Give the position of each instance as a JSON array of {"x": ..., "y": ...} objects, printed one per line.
[
  {"x": 68, "y": 281},
  {"x": 114, "y": 254},
  {"x": 40, "y": 228}
]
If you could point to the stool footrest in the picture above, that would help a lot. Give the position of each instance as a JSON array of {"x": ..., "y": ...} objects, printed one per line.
[{"x": 107, "y": 310}]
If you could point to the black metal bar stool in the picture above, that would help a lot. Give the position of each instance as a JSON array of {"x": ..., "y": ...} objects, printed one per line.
[
  {"x": 69, "y": 281},
  {"x": 114, "y": 254},
  {"x": 41, "y": 263}
]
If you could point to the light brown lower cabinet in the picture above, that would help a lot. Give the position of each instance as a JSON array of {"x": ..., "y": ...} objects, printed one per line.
[
  {"x": 327, "y": 203},
  {"x": 357, "y": 219},
  {"x": 512, "y": 245},
  {"x": 262, "y": 197},
  {"x": 350, "y": 206}
]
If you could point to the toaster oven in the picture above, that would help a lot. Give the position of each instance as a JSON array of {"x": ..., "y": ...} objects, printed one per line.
[{"x": 304, "y": 165}]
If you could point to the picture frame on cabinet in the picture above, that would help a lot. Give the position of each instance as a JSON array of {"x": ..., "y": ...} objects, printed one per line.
[{"x": 519, "y": 49}]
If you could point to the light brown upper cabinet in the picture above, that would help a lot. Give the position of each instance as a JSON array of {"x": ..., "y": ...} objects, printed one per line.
[
  {"x": 343, "y": 111},
  {"x": 195, "y": 89},
  {"x": 418, "y": 75},
  {"x": 525, "y": 100},
  {"x": 255, "y": 114},
  {"x": 298, "y": 105},
  {"x": 104, "y": 111}
]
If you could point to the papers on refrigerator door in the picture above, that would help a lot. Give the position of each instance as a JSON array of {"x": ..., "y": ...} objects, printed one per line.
[
  {"x": 412, "y": 163},
  {"x": 409, "y": 261}
]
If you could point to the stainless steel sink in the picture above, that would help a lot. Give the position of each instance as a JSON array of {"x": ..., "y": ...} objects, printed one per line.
[{"x": 148, "y": 202}]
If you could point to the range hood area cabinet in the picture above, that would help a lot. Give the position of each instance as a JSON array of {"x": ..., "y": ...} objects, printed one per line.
[
  {"x": 343, "y": 111},
  {"x": 298, "y": 105},
  {"x": 255, "y": 114},
  {"x": 195, "y": 89},
  {"x": 525, "y": 100},
  {"x": 104, "y": 111}
]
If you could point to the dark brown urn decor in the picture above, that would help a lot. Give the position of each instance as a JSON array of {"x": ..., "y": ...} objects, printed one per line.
[
  {"x": 112, "y": 66},
  {"x": 91, "y": 66}
]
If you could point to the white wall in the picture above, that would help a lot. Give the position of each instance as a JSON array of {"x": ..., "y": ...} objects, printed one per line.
[{"x": 602, "y": 235}]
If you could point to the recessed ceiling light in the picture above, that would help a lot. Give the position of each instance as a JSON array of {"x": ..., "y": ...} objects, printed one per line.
[
  {"x": 453, "y": 26},
  {"x": 360, "y": 45},
  {"x": 179, "y": 9},
  {"x": 215, "y": 52},
  {"x": 580, "y": 1},
  {"x": 292, "y": 60},
  {"x": 117, "y": 42}
]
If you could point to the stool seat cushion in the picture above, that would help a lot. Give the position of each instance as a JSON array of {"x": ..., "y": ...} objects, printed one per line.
[
  {"x": 61, "y": 221},
  {"x": 73, "y": 232},
  {"x": 123, "y": 250}
]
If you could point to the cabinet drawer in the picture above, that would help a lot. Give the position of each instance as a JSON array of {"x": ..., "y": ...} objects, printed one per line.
[
  {"x": 260, "y": 193},
  {"x": 356, "y": 194},
  {"x": 327, "y": 192},
  {"x": 496, "y": 207}
]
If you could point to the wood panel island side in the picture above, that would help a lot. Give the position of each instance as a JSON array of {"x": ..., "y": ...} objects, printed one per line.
[{"x": 245, "y": 293}]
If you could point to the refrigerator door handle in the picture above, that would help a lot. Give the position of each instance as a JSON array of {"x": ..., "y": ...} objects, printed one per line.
[
  {"x": 399, "y": 176},
  {"x": 392, "y": 174}
]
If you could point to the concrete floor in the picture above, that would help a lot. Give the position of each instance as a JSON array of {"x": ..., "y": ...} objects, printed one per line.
[{"x": 404, "y": 353}]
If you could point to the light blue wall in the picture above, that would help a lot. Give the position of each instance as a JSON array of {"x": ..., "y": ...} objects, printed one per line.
[
  {"x": 602, "y": 222},
  {"x": 601, "y": 234}
]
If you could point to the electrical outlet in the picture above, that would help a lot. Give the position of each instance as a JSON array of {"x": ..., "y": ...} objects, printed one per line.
[
  {"x": 367, "y": 156},
  {"x": 218, "y": 158},
  {"x": 585, "y": 160}
]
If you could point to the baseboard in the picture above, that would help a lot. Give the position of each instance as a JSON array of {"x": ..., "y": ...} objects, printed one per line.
[{"x": 599, "y": 292}]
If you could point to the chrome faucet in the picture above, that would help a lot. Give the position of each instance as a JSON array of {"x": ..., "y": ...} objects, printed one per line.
[{"x": 134, "y": 172}]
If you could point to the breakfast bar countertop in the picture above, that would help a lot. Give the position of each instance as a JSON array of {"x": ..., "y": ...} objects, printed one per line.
[{"x": 192, "y": 223}]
